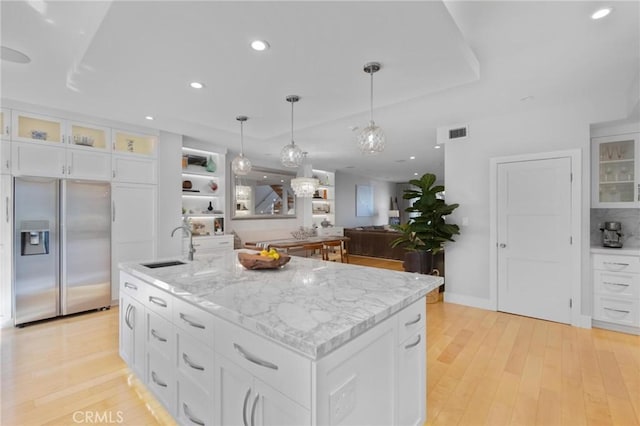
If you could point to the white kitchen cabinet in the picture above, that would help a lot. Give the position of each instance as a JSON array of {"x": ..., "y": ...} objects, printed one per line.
[
  {"x": 37, "y": 128},
  {"x": 5, "y": 124},
  {"x": 133, "y": 226},
  {"x": 5, "y": 157},
  {"x": 89, "y": 137},
  {"x": 56, "y": 161},
  {"x": 615, "y": 170},
  {"x": 134, "y": 170},
  {"x": 132, "y": 332},
  {"x": 134, "y": 144},
  {"x": 411, "y": 365},
  {"x": 616, "y": 285},
  {"x": 208, "y": 245}
]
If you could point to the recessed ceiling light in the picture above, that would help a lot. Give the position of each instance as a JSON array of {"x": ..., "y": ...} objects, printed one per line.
[
  {"x": 413, "y": 157},
  {"x": 12, "y": 55},
  {"x": 148, "y": 117},
  {"x": 415, "y": 173},
  {"x": 196, "y": 85},
  {"x": 259, "y": 45},
  {"x": 527, "y": 98},
  {"x": 437, "y": 147},
  {"x": 601, "y": 13}
]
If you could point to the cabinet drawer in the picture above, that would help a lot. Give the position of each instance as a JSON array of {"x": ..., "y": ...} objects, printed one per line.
[
  {"x": 411, "y": 320},
  {"x": 616, "y": 263},
  {"x": 194, "y": 321},
  {"x": 616, "y": 310},
  {"x": 283, "y": 369},
  {"x": 161, "y": 379},
  {"x": 132, "y": 286},
  {"x": 159, "y": 301},
  {"x": 204, "y": 244},
  {"x": 616, "y": 284},
  {"x": 194, "y": 406},
  {"x": 160, "y": 335},
  {"x": 195, "y": 362}
]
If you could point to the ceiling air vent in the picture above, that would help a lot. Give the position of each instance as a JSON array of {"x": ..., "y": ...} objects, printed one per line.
[{"x": 452, "y": 133}]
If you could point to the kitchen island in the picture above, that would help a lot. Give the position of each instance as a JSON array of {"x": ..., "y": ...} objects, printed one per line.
[{"x": 314, "y": 342}]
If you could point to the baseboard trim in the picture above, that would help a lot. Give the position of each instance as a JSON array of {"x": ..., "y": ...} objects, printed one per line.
[
  {"x": 463, "y": 299},
  {"x": 616, "y": 327}
]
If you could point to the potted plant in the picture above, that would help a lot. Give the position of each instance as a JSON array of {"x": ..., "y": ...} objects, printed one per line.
[{"x": 425, "y": 233}]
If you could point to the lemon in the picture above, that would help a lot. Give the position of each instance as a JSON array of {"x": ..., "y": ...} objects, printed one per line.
[{"x": 264, "y": 253}]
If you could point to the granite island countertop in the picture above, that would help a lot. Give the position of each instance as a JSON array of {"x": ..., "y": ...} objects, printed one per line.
[{"x": 309, "y": 306}]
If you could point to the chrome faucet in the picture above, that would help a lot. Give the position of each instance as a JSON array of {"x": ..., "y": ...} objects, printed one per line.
[{"x": 191, "y": 248}]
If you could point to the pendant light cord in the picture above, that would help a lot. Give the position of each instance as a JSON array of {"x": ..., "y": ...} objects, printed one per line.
[
  {"x": 241, "y": 139},
  {"x": 371, "y": 95},
  {"x": 292, "y": 142}
]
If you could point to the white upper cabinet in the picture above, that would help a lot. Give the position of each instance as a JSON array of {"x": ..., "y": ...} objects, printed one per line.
[
  {"x": 29, "y": 159},
  {"x": 136, "y": 144},
  {"x": 28, "y": 127},
  {"x": 88, "y": 137},
  {"x": 615, "y": 170},
  {"x": 5, "y": 124}
]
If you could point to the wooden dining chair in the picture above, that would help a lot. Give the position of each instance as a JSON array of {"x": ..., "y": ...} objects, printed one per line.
[
  {"x": 331, "y": 247},
  {"x": 313, "y": 249}
]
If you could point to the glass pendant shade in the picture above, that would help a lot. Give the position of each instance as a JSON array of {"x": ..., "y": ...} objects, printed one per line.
[
  {"x": 291, "y": 155},
  {"x": 241, "y": 165},
  {"x": 371, "y": 139}
]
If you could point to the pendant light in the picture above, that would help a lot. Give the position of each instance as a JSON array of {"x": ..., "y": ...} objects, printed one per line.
[
  {"x": 371, "y": 139},
  {"x": 304, "y": 185},
  {"x": 291, "y": 154},
  {"x": 241, "y": 165}
]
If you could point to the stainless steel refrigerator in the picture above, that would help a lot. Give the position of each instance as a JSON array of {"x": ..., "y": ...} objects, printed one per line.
[{"x": 62, "y": 247}]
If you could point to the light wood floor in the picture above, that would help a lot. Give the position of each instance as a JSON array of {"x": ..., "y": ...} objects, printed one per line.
[{"x": 483, "y": 368}]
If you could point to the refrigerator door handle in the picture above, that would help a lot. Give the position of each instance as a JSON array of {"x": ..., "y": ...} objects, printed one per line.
[{"x": 7, "y": 207}]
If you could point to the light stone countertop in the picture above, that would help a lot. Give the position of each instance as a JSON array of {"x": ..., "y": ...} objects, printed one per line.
[
  {"x": 309, "y": 306},
  {"x": 627, "y": 251}
]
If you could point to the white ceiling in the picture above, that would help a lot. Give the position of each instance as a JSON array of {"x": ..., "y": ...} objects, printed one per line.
[{"x": 441, "y": 64}]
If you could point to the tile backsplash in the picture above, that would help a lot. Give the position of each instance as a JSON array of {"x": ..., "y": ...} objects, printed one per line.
[{"x": 629, "y": 218}]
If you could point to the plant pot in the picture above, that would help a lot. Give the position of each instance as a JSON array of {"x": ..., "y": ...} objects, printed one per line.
[{"x": 418, "y": 261}]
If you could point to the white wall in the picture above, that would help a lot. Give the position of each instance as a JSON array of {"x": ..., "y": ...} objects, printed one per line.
[
  {"x": 467, "y": 183},
  {"x": 169, "y": 192},
  {"x": 346, "y": 200}
]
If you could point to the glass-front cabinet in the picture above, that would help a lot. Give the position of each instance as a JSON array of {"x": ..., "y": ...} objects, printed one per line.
[
  {"x": 615, "y": 171},
  {"x": 88, "y": 136},
  {"x": 134, "y": 144},
  {"x": 28, "y": 127}
]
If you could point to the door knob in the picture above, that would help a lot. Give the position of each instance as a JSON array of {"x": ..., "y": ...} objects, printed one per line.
[{"x": 502, "y": 245}]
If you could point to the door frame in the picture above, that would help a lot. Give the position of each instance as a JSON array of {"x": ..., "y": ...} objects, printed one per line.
[{"x": 575, "y": 155}]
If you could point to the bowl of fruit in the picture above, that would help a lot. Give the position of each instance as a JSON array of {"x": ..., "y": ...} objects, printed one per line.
[{"x": 264, "y": 259}]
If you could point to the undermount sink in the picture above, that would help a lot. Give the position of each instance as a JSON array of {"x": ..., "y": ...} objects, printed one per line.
[{"x": 163, "y": 264}]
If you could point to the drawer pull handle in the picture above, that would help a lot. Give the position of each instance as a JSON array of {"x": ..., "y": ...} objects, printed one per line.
[
  {"x": 127, "y": 284},
  {"x": 254, "y": 359},
  {"x": 411, "y": 345},
  {"x": 415, "y": 321},
  {"x": 190, "y": 416},
  {"x": 157, "y": 336},
  {"x": 190, "y": 363},
  {"x": 618, "y": 284},
  {"x": 622, "y": 311},
  {"x": 253, "y": 410},
  {"x": 157, "y": 301},
  {"x": 184, "y": 318},
  {"x": 615, "y": 266},
  {"x": 244, "y": 408},
  {"x": 127, "y": 320},
  {"x": 157, "y": 381}
]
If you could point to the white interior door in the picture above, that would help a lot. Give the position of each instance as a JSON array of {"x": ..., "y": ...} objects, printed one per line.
[{"x": 534, "y": 238}]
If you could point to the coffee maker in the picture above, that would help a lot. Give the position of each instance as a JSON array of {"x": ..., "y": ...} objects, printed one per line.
[{"x": 612, "y": 234}]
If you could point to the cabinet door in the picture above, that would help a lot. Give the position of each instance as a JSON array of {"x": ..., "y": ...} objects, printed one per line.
[
  {"x": 133, "y": 229},
  {"x": 5, "y": 157},
  {"x": 29, "y": 127},
  {"x": 134, "y": 170},
  {"x": 134, "y": 144},
  {"x": 88, "y": 137},
  {"x": 615, "y": 171},
  {"x": 412, "y": 379},
  {"x": 271, "y": 408},
  {"x": 5, "y": 124},
  {"x": 6, "y": 228},
  {"x": 132, "y": 336},
  {"x": 38, "y": 160},
  {"x": 88, "y": 165},
  {"x": 234, "y": 392}
]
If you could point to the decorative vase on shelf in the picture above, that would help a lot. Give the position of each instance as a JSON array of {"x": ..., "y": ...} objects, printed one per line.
[
  {"x": 211, "y": 165},
  {"x": 210, "y": 208}
]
